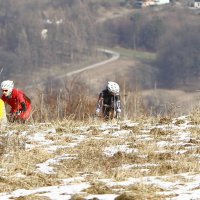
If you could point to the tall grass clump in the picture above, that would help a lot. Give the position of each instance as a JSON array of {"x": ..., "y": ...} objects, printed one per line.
[{"x": 74, "y": 99}]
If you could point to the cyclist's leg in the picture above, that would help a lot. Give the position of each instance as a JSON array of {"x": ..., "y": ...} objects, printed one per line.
[
  {"x": 106, "y": 111},
  {"x": 117, "y": 115},
  {"x": 112, "y": 113}
]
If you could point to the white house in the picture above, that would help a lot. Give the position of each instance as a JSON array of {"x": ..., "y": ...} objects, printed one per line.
[
  {"x": 196, "y": 4},
  {"x": 146, "y": 3},
  {"x": 44, "y": 33},
  {"x": 161, "y": 2}
]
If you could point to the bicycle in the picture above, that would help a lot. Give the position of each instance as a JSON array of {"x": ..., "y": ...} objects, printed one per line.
[{"x": 108, "y": 112}]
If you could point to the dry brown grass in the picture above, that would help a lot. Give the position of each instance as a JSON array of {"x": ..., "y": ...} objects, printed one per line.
[
  {"x": 32, "y": 197},
  {"x": 88, "y": 158}
]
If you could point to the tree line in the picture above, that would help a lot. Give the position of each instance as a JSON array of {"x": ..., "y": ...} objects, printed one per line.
[
  {"x": 38, "y": 34},
  {"x": 71, "y": 35},
  {"x": 171, "y": 33}
]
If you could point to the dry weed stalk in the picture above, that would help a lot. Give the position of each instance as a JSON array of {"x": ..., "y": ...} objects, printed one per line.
[{"x": 195, "y": 116}]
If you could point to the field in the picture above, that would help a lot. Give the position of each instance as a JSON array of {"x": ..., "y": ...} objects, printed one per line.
[
  {"x": 150, "y": 158},
  {"x": 142, "y": 157}
]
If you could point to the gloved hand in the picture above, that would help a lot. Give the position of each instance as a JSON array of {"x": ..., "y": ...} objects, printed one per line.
[
  {"x": 97, "y": 110},
  {"x": 119, "y": 110},
  {"x": 14, "y": 116},
  {"x": 18, "y": 113}
]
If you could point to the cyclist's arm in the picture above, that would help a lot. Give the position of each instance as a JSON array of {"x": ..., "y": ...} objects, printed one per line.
[
  {"x": 118, "y": 102},
  {"x": 100, "y": 100}
]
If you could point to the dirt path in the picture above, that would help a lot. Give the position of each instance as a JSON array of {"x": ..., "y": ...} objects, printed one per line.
[
  {"x": 115, "y": 71},
  {"x": 114, "y": 56}
]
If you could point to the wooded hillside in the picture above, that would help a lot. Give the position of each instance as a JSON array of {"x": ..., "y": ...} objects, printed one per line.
[
  {"x": 49, "y": 36},
  {"x": 42, "y": 39},
  {"x": 38, "y": 34}
]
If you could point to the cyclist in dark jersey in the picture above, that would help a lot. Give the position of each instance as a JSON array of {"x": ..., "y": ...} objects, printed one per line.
[{"x": 109, "y": 101}]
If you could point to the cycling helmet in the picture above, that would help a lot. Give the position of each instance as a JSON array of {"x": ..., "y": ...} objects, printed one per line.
[
  {"x": 7, "y": 85},
  {"x": 113, "y": 87}
]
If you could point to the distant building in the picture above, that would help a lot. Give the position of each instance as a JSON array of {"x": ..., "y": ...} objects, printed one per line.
[
  {"x": 161, "y": 2},
  {"x": 146, "y": 3},
  {"x": 195, "y": 4},
  {"x": 44, "y": 34}
]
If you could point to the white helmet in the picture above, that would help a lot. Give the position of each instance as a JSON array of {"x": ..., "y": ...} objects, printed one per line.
[
  {"x": 7, "y": 85},
  {"x": 113, "y": 87}
]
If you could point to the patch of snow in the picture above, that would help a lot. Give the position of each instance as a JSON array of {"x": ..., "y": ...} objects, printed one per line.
[{"x": 110, "y": 151}]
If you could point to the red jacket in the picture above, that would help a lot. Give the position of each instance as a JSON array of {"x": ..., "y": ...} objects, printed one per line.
[{"x": 18, "y": 97}]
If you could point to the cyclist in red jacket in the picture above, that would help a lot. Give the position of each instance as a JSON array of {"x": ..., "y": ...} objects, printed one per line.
[{"x": 20, "y": 104}]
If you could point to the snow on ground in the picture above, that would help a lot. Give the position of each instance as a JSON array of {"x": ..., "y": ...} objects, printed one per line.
[{"x": 182, "y": 186}]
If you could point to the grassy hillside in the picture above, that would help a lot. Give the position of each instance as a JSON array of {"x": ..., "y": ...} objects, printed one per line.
[{"x": 144, "y": 158}]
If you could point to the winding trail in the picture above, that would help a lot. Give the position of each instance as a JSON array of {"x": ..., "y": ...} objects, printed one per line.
[{"x": 114, "y": 56}]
